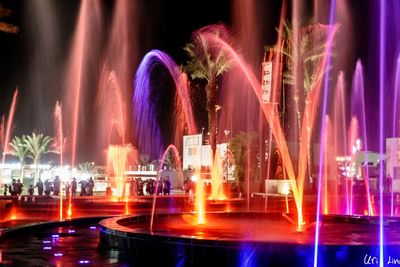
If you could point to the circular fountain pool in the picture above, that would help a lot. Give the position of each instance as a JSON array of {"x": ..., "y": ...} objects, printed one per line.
[{"x": 230, "y": 239}]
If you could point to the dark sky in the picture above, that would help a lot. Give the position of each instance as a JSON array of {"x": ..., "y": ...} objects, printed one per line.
[
  {"x": 168, "y": 26},
  {"x": 165, "y": 24}
]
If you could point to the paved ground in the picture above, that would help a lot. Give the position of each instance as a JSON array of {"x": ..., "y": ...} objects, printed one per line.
[{"x": 59, "y": 246}]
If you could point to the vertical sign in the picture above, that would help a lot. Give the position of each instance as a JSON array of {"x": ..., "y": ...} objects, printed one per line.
[{"x": 266, "y": 81}]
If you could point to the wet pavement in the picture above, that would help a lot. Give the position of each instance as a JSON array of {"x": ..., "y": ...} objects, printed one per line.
[{"x": 59, "y": 246}]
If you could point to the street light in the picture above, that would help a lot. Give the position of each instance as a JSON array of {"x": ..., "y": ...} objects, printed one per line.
[
  {"x": 227, "y": 132},
  {"x": 217, "y": 108}
]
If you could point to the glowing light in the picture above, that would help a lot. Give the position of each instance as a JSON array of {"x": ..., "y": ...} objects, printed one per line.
[
  {"x": 343, "y": 158},
  {"x": 84, "y": 261},
  {"x": 358, "y": 144},
  {"x": 194, "y": 178},
  {"x": 382, "y": 85},
  {"x": 92, "y": 227},
  {"x": 285, "y": 189},
  {"x": 55, "y": 236},
  {"x": 47, "y": 248},
  {"x": 217, "y": 191},
  {"x": 287, "y": 203},
  {"x": 69, "y": 212},
  {"x": 71, "y": 231},
  {"x": 46, "y": 242},
  {"x": 61, "y": 202},
  {"x": 126, "y": 206},
  {"x": 58, "y": 254},
  {"x": 200, "y": 200}
]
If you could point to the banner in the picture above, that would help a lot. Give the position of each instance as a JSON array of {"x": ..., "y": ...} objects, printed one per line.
[{"x": 266, "y": 81}]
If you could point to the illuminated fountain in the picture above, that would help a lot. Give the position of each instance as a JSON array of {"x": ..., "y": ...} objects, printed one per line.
[
  {"x": 272, "y": 117},
  {"x": 231, "y": 226},
  {"x": 340, "y": 223},
  {"x": 59, "y": 143},
  {"x": 119, "y": 158},
  {"x": 146, "y": 126},
  {"x": 8, "y": 129},
  {"x": 316, "y": 229},
  {"x": 170, "y": 149}
]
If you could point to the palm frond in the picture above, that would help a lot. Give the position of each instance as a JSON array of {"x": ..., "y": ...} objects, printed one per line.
[
  {"x": 86, "y": 166},
  {"x": 37, "y": 146},
  {"x": 18, "y": 149}
]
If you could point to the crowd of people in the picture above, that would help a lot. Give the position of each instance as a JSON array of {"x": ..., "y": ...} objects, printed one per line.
[
  {"x": 230, "y": 189},
  {"x": 15, "y": 188},
  {"x": 150, "y": 187},
  {"x": 137, "y": 187},
  {"x": 50, "y": 187}
]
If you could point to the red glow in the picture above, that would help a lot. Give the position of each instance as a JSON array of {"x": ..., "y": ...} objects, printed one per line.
[{"x": 9, "y": 124}]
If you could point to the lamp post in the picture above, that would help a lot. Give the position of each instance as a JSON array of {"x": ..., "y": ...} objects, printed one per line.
[
  {"x": 217, "y": 108},
  {"x": 214, "y": 132}
]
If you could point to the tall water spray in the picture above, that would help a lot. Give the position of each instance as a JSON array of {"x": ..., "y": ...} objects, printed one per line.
[
  {"x": 58, "y": 145},
  {"x": 272, "y": 117},
  {"x": 9, "y": 127},
  {"x": 146, "y": 126},
  {"x": 340, "y": 143},
  {"x": 119, "y": 158},
  {"x": 78, "y": 70}
]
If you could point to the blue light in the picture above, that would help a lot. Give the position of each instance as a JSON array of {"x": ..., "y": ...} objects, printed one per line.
[
  {"x": 71, "y": 231},
  {"x": 93, "y": 227},
  {"x": 46, "y": 248},
  {"x": 46, "y": 242},
  {"x": 55, "y": 236},
  {"x": 58, "y": 254},
  {"x": 84, "y": 261}
]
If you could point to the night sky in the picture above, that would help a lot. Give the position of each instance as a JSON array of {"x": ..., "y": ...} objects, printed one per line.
[{"x": 164, "y": 25}]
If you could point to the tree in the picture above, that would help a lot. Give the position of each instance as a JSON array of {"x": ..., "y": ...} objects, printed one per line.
[
  {"x": 86, "y": 166},
  {"x": 37, "y": 146},
  {"x": 244, "y": 147},
  {"x": 208, "y": 63},
  {"x": 18, "y": 150}
]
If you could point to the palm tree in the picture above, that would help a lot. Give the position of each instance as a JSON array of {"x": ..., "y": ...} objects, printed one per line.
[
  {"x": 305, "y": 71},
  {"x": 243, "y": 146},
  {"x": 18, "y": 150},
  {"x": 208, "y": 63},
  {"x": 37, "y": 146},
  {"x": 86, "y": 166}
]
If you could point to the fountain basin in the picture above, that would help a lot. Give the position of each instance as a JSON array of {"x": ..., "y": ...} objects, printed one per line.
[{"x": 259, "y": 239}]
